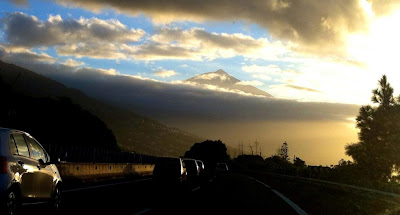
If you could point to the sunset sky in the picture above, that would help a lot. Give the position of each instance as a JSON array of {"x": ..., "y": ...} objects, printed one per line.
[{"x": 306, "y": 51}]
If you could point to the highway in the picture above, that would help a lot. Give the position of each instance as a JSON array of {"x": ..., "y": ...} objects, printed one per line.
[{"x": 227, "y": 194}]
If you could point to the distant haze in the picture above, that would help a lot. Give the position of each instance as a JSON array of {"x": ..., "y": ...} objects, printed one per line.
[{"x": 315, "y": 132}]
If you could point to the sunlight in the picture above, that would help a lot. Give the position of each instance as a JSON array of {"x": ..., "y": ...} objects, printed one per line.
[{"x": 378, "y": 49}]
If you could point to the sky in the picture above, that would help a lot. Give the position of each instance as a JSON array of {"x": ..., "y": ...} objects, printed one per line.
[{"x": 310, "y": 52}]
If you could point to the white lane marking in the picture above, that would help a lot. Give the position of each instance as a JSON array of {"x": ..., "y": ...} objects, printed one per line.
[
  {"x": 293, "y": 205},
  {"x": 195, "y": 189},
  {"x": 105, "y": 185},
  {"x": 262, "y": 183},
  {"x": 284, "y": 198},
  {"x": 142, "y": 211}
]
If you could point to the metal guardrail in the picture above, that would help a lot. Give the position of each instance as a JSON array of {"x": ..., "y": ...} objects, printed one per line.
[
  {"x": 84, "y": 170},
  {"x": 87, "y": 154}
]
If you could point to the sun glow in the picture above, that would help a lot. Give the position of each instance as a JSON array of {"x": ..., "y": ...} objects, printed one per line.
[{"x": 378, "y": 50}]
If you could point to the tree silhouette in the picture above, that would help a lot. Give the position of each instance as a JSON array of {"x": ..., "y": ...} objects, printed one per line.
[
  {"x": 377, "y": 152},
  {"x": 283, "y": 151},
  {"x": 210, "y": 152},
  {"x": 299, "y": 162},
  {"x": 383, "y": 95}
]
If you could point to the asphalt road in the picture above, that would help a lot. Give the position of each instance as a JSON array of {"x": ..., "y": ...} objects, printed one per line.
[{"x": 227, "y": 194}]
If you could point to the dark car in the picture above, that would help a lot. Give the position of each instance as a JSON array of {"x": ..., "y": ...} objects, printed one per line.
[
  {"x": 222, "y": 167},
  {"x": 169, "y": 170},
  {"x": 193, "y": 170},
  {"x": 26, "y": 173},
  {"x": 200, "y": 164}
]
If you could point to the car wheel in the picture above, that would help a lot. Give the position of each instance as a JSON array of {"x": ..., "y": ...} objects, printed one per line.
[
  {"x": 12, "y": 203},
  {"x": 56, "y": 201}
]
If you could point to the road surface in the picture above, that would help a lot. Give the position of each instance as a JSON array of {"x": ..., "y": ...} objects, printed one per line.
[{"x": 227, "y": 194}]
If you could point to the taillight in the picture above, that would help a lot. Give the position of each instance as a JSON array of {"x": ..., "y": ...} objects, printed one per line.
[{"x": 3, "y": 165}]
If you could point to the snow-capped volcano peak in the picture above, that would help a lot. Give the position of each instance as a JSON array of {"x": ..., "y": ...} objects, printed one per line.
[
  {"x": 222, "y": 79},
  {"x": 219, "y": 75}
]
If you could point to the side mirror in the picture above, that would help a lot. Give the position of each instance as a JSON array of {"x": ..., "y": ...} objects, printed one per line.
[{"x": 42, "y": 163}]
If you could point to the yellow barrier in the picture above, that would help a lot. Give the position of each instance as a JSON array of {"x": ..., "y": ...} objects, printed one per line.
[{"x": 104, "y": 169}]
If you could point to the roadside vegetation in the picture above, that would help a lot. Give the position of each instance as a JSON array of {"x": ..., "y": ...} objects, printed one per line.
[{"x": 376, "y": 159}]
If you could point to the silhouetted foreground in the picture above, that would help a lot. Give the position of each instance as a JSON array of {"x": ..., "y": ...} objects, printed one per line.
[{"x": 229, "y": 194}]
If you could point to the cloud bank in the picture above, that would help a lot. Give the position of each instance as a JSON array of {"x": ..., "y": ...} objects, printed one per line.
[
  {"x": 110, "y": 39},
  {"x": 311, "y": 24},
  {"x": 28, "y": 31}
]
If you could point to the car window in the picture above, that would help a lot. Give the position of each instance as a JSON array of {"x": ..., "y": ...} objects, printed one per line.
[
  {"x": 21, "y": 145},
  {"x": 13, "y": 147},
  {"x": 37, "y": 152}
]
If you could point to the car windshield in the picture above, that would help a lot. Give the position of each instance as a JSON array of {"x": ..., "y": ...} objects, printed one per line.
[{"x": 199, "y": 107}]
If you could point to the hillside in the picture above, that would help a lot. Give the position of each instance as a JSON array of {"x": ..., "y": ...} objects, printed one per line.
[
  {"x": 133, "y": 132},
  {"x": 55, "y": 122}
]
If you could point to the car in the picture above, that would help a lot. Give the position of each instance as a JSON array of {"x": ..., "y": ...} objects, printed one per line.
[
  {"x": 200, "y": 164},
  {"x": 169, "y": 170},
  {"x": 27, "y": 175},
  {"x": 193, "y": 170},
  {"x": 222, "y": 167}
]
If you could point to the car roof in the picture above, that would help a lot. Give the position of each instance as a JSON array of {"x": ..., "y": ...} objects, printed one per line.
[
  {"x": 9, "y": 130},
  {"x": 167, "y": 158}
]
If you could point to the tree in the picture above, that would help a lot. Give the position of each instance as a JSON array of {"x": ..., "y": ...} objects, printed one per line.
[
  {"x": 299, "y": 162},
  {"x": 210, "y": 152},
  {"x": 343, "y": 162},
  {"x": 377, "y": 151},
  {"x": 283, "y": 151}
]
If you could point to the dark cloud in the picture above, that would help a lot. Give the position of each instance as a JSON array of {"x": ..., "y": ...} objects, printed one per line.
[
  {"x": 27, "y": 31},
  {"x": 155, "y": 51},
  {"x": 166, "y": 101},
  {"x": 303, "y": 88},
  {"x": 318, "y": 26},
  {"x": 110, "y": 39},
  {"x": 22, "y": 56},
  {"x": 45, "y": 64},
  {"x": 238, "y": 42},
  {"x": 92, "y": 50},
  {"x": 20, "y": 2}
]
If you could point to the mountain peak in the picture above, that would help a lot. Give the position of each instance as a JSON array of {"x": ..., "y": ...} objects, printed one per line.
[
  {"x": 222, "y": 79},
  {"x": 222, "y": 72}
]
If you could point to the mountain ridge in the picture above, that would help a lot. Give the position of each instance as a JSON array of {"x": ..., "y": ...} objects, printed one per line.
[{"x": 133, "y": 132}]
